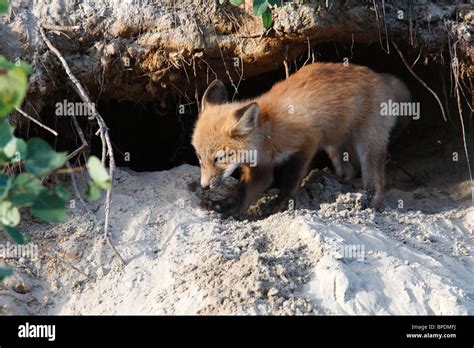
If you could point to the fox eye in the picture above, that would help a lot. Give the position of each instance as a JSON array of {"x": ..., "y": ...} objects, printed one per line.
[{"x": 219, "y": 159}]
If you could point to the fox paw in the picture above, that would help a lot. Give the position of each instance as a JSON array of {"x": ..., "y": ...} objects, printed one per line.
[
  {"x": 373, "y": 200},
  {"x": 283, "y": 206}
]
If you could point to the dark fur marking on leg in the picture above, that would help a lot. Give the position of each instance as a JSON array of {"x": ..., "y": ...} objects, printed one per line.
[{"x": 290, "y": 178}]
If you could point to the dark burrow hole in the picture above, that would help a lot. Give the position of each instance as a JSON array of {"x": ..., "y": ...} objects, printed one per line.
[{"x": 146, "y": 138}]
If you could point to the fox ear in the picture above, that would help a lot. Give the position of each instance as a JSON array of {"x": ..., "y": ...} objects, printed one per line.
[
  {"x": 215, "y": 94},
  {"x": 247, "y": 118}
]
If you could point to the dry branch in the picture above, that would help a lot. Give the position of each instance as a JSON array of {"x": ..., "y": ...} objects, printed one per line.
[
  {"x": 21, "y": 112},
  {"x": 84, "y": 144},
  {"x": 76, "y": 191},
  {"x": 61, "y": 28},
  {"x": 419, "y": 78},
  {"x": 57, "y": 257},
  {"x": 103, "y": 133},
  {"x": 455, "y": 71}
]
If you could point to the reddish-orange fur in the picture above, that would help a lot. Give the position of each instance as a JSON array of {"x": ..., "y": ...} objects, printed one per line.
[{"x": 323, "y": 106}]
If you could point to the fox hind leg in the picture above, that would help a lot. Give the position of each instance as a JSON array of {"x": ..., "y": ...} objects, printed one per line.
[
  {"x": 335, "y": 155},
  {"x": 379, "y": 181},
  {"x": 350, "y": 162},
  {"x": 344, "y": 160},
  {"x": 372, "y": 162}
]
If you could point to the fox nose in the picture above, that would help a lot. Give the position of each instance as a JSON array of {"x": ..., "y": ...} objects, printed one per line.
[{"x": 204, "y": 184}]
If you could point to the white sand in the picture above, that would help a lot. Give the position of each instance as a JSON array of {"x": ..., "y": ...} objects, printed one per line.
[{"x": 182, "y": 260}]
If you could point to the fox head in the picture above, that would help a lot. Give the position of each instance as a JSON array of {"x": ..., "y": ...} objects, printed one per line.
[{"x": 222, "y": 132}]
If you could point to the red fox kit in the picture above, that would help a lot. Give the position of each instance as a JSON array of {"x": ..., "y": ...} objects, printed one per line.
[{"x": 323, "y": 106}]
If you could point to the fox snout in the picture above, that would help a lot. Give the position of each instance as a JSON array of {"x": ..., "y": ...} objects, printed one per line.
[
  {"x": 209, "y": 180},
  {"x": 205, "y": 183},
  {"x": 211, "y": 176}
]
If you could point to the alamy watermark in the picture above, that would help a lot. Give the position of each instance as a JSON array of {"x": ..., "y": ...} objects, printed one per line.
[
  {"x": 16, "y": 251},
  {"x": 78, "y": 109},
  {"x": 349, "y": 251},
  {"x": 394, "y": 108},
  {"x": 228, "y": 156}
]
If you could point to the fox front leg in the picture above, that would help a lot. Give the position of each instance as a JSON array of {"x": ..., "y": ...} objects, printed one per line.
[
  {"x": 254, "y": 181},
  {"x": 291, "y": 175}
]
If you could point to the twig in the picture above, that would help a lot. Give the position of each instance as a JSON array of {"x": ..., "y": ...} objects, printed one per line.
[
  {"x": 104, "y": 136},
  {"x": 419, "y": 79},
  {"x": 411, "y": 176},
  {"x": 251, "y": 36},
  {"x": 84, "y": 144},
  {"x": 241, "y": 75},
  {"x": 37, "y": 122},
  {"x": 76, "y": 152},
  {"x": 60, "y": 27},
  {"x": 455, "y": 70},
  {"x": 69, "y": 264},
  {"x": 418, "y": 57},
  {"x": 446, "y": 102},
  {"x": 309, "y": 54},
  {"x": 287, "y": 68},
  {"x": 410, "y": 24},
  {"x": 225, "y": 65},
  {"x": 196, "y": 94},
  {"x": 70, "y": 170},
  {"x": 352, "y": 45},
  {"x": 378, "y": 26},
  {"x": 385, "y": 24},
  {"x": 77, "y": 193}
]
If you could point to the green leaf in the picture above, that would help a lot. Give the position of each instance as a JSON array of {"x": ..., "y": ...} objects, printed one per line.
[
  {"x": 259, "y": 7},
  {"x": 13, "y": 86},
  {"x": 49, "y": 207},
  {"x": 3, "y": 9},
  {"x": 6, "y": 133},
  {"x": 7, "y": 65},
  {"x": 5, "y": 185},
  {"x": 221, "y": 2},
  {"x": 14, "y": 234},
  {"x": 98, "y": 173},
  {"x": 16, "y": 148},
  {"x": 26, "y": 189},
  {"x": 93, "y": 192},
  {"x": 267, "y": 18},
  {"x": 236, "y": 2},
  {"x": 4, "y": 160},
  {"x": 9, "y": 214},
  {"x": 5, "y": 272},
  {"x": 41, "y": 159},
  {"x": 62, "y": 193},
  {"x": 23, "y": 65}
]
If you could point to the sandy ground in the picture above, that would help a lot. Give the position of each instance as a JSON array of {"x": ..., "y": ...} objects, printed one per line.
[{"x": 338, "y": 259}]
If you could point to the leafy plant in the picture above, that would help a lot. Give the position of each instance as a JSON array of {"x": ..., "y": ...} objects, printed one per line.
[
  {"x": 261, "y": 8},
  {"x": 4, "y": 272},
  {"x": 3, "y": 7},
  {"x": 26, "y": 190}
]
